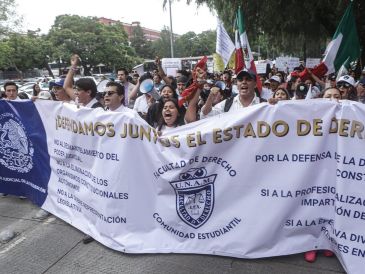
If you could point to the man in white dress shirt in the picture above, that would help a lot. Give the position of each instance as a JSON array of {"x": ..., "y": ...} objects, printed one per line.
[
  {"x": 246, "y": 84},
  {"x": 114, "y": 97}
]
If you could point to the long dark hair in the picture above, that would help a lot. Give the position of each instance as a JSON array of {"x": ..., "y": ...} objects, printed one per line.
[
  {"x": 179, "y": 119},
  {"x": 35, "y": 92}
]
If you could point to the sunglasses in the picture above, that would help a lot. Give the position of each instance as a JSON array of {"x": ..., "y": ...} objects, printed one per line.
[
  {"x": 109, "y": 93},
  {"x": 343, "y": 84}
]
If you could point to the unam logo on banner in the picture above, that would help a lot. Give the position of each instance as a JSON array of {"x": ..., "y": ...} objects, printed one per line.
[
  {"x": 16, "y": 151},
  {"x": 24, "y": 159},
  {"x": 194, "y": 196}
]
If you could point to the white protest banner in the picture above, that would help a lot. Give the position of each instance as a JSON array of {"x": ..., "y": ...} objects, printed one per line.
[
  {"x": 292, "y": 63},
  {"x": 171, "y": 65},
  {"x": 312, "y": 62},
  {"x": 287, "y": 63},
  {"x": 281, "y": 63},
  {"x": 267, "y": 180},
  {"x": 224, "y": 44},
  {"x": 261, "y": 67}
]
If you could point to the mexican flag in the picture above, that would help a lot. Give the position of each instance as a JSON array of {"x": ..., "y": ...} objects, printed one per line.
[
  {"x": 244, "y": 57},
  {"x": 344, "y": 47}
]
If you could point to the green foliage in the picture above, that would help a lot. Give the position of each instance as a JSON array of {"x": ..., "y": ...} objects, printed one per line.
[
  {"x": 141, "y": 45},
  {"x": 9, "y": 20},
  {"x": 191, "y": 44},
  {"x": 5, "y": 55},
  {"x": 301, "y": 28},
  {"x": 22, "y": 52},
  {"x": 161, "y": 47},
  {"x": 94, "y": 42}
]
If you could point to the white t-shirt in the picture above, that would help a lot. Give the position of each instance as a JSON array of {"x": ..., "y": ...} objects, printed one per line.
[{"x": 141, "y": 104}]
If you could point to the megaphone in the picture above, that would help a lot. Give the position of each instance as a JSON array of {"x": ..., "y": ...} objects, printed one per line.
[
  {"x": 102, "y": 85},
  {"x": 147, "y": 87},
  {"x": 220, "y": 84}
]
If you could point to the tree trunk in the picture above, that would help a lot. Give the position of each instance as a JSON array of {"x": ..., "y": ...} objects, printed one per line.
[{"x": 50, "y": 72}]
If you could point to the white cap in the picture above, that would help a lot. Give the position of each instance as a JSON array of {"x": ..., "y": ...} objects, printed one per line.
[
  {"x": 44, "y": 95},
  {"x": 275, "y": 78},
  {"x": 348, "y": 79}
]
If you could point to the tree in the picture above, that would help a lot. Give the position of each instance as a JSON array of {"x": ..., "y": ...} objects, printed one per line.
[
  {"x": 141, "y": 45},
  {"x": 161, "y": 47},
  {"x": 95, "y": 42},
  {"x": 9, "y": 20},
  {"x": 22, "y": 52},
  {"x": 191, "y": 44},
  {"x": 292, "y": 27},
  {"x": 6, "y": 52}
]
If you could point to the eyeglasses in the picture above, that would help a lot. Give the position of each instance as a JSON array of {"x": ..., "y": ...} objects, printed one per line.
[
  {"x": 109, "y": 93},
  {"x": 343, "y": 84}
]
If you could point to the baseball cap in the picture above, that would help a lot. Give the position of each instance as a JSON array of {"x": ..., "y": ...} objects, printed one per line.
[
  {"x": 45, "y": 95},
  {"x": 275, "y": 78},
  {"x": 347, "y": 79},
  {"x": 57, "y": 83},
  {"x": 249, "y": 73}
]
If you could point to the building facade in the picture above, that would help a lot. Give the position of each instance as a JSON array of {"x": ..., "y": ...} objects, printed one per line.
[{"x": 150, "y": 34}]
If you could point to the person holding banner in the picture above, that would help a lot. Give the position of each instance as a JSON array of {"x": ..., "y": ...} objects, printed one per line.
[
  {"x": 171, "y": 115},
  {"x": 11, "y": 91},
  {"x": 246, "y": 83},
  {"x": 114, "y": 97},
  {"x": 85, "y": 89},
  {"x": 332, "y": 93},
  {"x": 58, "y": 90},
  {"x": 279, "y": 95},
  {"x": 155, "y": 110},
  {"x": 346, "y": 85}
]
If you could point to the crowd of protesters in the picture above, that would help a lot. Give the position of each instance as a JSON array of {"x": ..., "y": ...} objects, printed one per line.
[{"x": 192, "y": 95}]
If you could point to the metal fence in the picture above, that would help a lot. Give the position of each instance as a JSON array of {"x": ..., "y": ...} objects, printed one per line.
[{"x": 14, "y": 75}]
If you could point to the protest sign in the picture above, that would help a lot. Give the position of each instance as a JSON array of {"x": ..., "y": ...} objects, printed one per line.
[{"x": 263, "y": 181}]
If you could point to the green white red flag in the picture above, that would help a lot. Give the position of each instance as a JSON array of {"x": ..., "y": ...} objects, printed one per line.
[
  {"x": 244, "y": 57},
  {"x": 342, "y": 50}
]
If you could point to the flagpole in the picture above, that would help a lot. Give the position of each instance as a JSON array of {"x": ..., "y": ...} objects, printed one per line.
[{"x": 171, "y": 32}]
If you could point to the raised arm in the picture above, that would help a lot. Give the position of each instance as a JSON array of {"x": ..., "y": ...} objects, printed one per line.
[
  {"x": 69, "y": 81},
  {"x": 161, "y": 72},
  {"x": 315, "y": 78},
  {"x": 134, "y": 92},
  {"x": 191, "y": 111},
  {"x": 209, "y": 103}
]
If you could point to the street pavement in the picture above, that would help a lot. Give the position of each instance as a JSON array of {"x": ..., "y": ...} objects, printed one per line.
[{"x": 53, "y": 246}]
